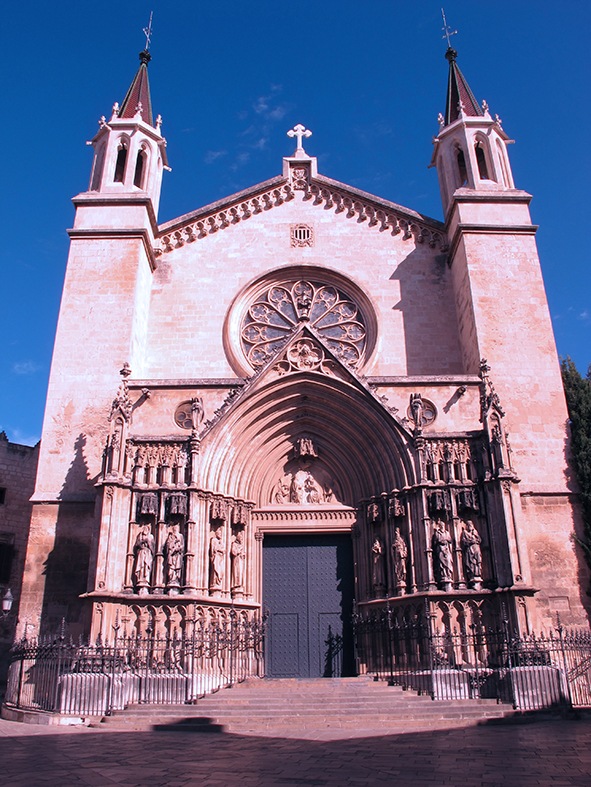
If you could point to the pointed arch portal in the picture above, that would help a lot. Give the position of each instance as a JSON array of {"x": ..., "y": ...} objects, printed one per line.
[{"x": 307, "y": 448}]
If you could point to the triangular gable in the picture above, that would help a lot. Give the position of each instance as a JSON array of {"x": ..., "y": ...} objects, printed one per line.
[
  {"x": 320, "y": 191},
  {"x": 304, "y": 351}
]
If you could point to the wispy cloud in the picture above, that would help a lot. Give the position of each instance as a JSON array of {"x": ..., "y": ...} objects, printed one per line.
[
  {"x": 25, "y": 367},
  {"x": 213, "y": 155},
  {"x": 584, "y": 315},
  {"x": 268, "y": 110}
]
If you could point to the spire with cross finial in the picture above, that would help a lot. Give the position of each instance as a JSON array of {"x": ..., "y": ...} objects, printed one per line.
[
  {"x": 447, "y": 31},
  {"x": 139, "y": 92},
  {"x": 458, "y": 93},
  {"x": 299, "y": 132},
  {"x": 148, "y": 32}
]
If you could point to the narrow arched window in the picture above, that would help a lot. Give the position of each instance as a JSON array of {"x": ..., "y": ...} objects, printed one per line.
[
  {"x": 138, "y": 178},
  {"x": 462, "y": 168},
  {"x": 120, "y": 165},
  {"x": 481, "y": 161}
]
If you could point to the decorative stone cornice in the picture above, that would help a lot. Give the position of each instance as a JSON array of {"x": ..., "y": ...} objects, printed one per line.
[
  {"x": 383, "y": 215},
  {"x": 304, "y": 515}
]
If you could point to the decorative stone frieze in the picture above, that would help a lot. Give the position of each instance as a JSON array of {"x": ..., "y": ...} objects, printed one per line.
[{"x": 347, "y": 203}]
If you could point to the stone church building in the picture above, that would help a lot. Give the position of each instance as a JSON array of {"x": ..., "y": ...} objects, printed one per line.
[{"x": 303, "y": 400}]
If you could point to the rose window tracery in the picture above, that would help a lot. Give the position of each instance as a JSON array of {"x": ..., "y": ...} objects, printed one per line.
[{"x": 282, "y": 307}]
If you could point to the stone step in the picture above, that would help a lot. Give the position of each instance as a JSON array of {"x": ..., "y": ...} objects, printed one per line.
[{"x": 345, "y": 707}]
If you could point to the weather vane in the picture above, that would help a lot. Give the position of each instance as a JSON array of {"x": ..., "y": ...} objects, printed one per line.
[
  {"x": 148, "y": 32},
  {"x": 447, "y": 31}
]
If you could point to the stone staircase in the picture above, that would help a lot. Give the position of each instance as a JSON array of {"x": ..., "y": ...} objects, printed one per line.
[{"x": 315, "y": 709}]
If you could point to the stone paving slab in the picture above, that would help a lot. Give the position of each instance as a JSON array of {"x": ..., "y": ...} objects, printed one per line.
[{"x": 553, "y": 753}]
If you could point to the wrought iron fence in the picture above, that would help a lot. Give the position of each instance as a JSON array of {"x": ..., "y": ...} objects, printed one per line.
[
  {"x": 531, "y": 672},
  {"x": 80, "y": 679}
]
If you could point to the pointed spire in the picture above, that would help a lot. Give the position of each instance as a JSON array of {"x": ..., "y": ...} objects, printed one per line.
[
  {"x": 459, "y": 96},
  {"x": 138, "y": 95}
]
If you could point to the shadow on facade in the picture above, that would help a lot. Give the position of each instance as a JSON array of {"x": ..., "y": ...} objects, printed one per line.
[
  {"x": 67, "y": 565},
  {"x": 428, "y": 311}
]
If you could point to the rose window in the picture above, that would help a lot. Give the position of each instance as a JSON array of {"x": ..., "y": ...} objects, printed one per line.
[{"x": 327, "y": 309}]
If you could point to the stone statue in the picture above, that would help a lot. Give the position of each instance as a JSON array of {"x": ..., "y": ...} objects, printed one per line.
[
  {"x": 174, "y": 549},
  {"x": 417, "y": 407},
  {"x": 378, "y": 573},
  {"x": 399, "y": 555},
  {"x": 144, "y": 548},
  {"x": 470, "y": 542},
  {"x": 217, "y": 556},
  {"x": 238, "y": 554},
  {"x": 442, "y": 554}
]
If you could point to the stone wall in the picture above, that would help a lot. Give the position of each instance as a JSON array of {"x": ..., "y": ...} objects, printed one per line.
[{"x": 18, "y": 467}]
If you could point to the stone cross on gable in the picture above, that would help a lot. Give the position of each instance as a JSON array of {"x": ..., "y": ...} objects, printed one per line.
[{"x": 299, "y": 131}]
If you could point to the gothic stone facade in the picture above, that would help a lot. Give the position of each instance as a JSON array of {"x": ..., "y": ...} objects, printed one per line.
[{"x": 303, "y": 358}]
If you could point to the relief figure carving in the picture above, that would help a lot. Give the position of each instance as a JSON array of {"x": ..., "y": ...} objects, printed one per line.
[{"x": 304, "y": 484}]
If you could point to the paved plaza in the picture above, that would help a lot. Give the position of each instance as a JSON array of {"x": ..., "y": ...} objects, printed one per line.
[{"x": 556, "y": 753}]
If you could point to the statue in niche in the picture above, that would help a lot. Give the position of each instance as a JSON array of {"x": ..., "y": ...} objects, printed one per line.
[
  {"x": 144, "y": 549},
  {"x": 174, "y": 549},
  {"x": 378, "y": 573},
  {"x": 238, "y": 554},
  {"x": 442, "y": 554},
  {"x": 470, "y": 542},
  {"x": 217, "y": 556},
  {"x": 399, "y": 555}
]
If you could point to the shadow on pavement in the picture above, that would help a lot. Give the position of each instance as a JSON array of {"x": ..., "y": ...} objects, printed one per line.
[{"x": 555, "y": 753}]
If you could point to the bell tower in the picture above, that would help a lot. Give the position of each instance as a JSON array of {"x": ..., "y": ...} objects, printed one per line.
[
  {"x": 471, "y": 148},
  {"x": 102, "y": 326},
  {"x": 129, "y": 149},
  {"x": 504, "y": 327}
]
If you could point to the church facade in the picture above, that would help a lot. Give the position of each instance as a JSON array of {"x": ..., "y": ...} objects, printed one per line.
[{"x": 303, "y": 401}]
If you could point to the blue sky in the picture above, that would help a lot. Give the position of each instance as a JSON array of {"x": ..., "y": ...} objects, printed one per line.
[{"x": 229, "y": 79}]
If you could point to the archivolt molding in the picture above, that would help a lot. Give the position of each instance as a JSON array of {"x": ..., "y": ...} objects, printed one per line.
[
  {"x": 303, "y": 351},
  {"x": 351, "y": 205},
  {"x": 359, "y": 444}
]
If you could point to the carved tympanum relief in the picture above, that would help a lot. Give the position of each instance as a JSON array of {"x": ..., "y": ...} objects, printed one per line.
[
  {"x": 279, "y": 309},
  {"x": 304, "y": 480}
]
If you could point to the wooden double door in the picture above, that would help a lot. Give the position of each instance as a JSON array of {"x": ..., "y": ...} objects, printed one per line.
[{"x": 308, "y": 586}]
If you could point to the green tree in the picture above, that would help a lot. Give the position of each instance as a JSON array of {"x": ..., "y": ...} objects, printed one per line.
[{"x": 578, "y": 400}]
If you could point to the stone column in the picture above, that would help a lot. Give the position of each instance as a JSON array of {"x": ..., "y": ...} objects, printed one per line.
[
  {"x": 131, "y": 536},
  {"x": 158, "y": 577},
  {"x": 257, "y": 565},
  {"x": 190, "y": 586},
  {"x": 429, "y": 553},
  {"x": 249, "y": 546}
]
